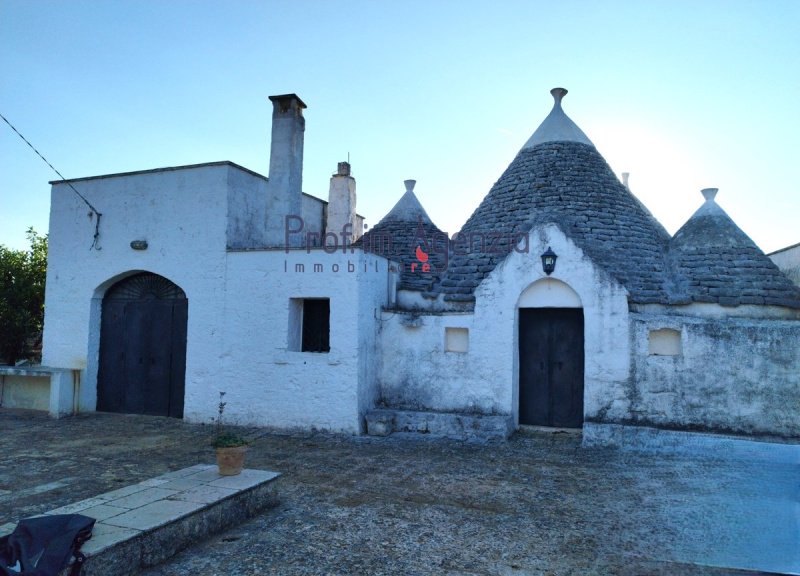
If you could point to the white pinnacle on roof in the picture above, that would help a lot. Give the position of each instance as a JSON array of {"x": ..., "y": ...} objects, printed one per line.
[
  {"x": 408, "y": 208},
  {"x": 557, "y": 127}
]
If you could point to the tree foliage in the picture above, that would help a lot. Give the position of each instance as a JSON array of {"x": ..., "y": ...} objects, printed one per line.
[{"x": 22, "y": 278}]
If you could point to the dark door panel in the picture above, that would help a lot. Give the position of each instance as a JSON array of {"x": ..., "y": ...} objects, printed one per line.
[
  {"x": 551, "y": 367},
  {"x": 143, "y": 347}
]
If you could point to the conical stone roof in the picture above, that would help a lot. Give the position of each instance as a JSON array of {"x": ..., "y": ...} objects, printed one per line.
[
  {"x": 559, "y": 177},
  {"x": 398, "y": 235},
  {"x": 719, "y": 263}
]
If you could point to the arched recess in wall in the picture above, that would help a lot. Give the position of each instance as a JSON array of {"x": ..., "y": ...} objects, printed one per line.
[
  {"x": 549, "y": 293},
  {"x": 551, "y": 356},
  {"x": 142, "y": 346}
]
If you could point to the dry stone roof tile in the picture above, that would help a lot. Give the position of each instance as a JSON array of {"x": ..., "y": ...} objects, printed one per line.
[
  {"x": 398, "y": 235},
  {"x": 569, "y": 184}
]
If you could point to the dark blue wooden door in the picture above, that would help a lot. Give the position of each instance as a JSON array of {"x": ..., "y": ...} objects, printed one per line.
[
  {"x": 143, "y": 347},
  {"x": 551, "y": 367}
]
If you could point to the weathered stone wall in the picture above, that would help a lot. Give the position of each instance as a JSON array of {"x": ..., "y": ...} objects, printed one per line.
[{"x": 738, "y": 375}]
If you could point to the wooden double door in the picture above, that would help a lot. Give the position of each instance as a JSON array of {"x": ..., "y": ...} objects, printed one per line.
[
  {"x": 143, "y": 347},
  {"x": 551, "y": 367}
]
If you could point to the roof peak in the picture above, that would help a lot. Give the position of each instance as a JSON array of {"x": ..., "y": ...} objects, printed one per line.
[
  {"x": 557, "y": 127},
  {"x": 711, "y": 226},
  {"x": 408, "y": 208}
]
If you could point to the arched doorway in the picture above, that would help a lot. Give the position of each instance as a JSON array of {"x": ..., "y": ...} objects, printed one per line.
[
  {"x": 551, "y": 356},
  {"x": 143, "y": 347}
]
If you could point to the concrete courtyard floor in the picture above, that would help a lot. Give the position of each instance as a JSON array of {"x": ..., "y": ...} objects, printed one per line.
[{"x": 537, "y": 504}]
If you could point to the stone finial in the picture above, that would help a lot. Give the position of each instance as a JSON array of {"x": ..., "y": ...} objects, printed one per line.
[
  {"x": 557, "y": 126},
  {"x": 409, "y": 185},
  {"x": 558, "y": 95},
  {"x": 709, "y": 193},
  {"x": 625, "y": 176}
]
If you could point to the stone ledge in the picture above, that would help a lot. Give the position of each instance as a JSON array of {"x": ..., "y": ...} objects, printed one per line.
[
  {"x": 41, "y": 388},
  {"x": 658, "y": 440},
  {"x": 457, "y": 426},
  {"x": 143, "y": 524}
]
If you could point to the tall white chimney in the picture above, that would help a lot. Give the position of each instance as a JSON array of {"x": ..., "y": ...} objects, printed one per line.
[
  {"x": 285, "y": 186},
  {"x": 340, "y": 229}
]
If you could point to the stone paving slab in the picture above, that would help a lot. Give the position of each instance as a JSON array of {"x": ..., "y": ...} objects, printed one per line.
[
  {"x": 130, "y": 520},
  {"x": 536, "y": 504}
]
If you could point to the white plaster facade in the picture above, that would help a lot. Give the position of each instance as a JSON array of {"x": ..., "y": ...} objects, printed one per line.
[
  {"x": 182, "y": 214},
  {"x": 270, "y": 384},
  {"x": 185, "y": 217}
]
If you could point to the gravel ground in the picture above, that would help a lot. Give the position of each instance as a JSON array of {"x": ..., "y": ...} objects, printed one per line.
[{"x": 537, "y": 504}]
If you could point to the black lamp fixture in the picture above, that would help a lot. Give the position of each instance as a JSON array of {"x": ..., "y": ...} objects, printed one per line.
[{"x": 549, "y": 261}]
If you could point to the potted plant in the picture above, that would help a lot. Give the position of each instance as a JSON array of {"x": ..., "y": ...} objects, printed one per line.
[{"x": 230, "y": 447}]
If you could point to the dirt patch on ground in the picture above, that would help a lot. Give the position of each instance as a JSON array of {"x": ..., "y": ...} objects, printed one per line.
[{"x": 537, "y": 504}]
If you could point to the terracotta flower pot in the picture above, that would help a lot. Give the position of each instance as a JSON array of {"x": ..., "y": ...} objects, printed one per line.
[{"x": 230, "y": 461}]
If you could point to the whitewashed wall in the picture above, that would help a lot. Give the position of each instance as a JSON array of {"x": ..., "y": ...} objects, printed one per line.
[
  {"x": 182, "y": 214},
  {"x": 246, "y": 209},
  {"x": 788, "y": 260},
  {"x": 738, "y": 375},
  {"x": 313, "y": 216},
  {"x": 238, "y": 301},
  {"x": 268, "y": 384},
  {"x": 417, "y": 372}
]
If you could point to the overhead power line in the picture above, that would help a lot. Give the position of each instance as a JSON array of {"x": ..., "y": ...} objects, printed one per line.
[{"x": 96, "y": 241}]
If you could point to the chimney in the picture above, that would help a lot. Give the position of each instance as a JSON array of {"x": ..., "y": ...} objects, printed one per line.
[
  {"x": 340, "y": 229},
  {"x": 625, "y": 176},
  {"x": 285, "y": 187}
]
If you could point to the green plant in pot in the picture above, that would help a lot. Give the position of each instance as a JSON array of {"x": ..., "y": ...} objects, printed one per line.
[{"x": 230, "y": 447}]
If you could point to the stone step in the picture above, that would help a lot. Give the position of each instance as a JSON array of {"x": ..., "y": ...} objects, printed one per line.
[
  {"x": 141, "y": 525},
  {"x": 454, "y": 425}
]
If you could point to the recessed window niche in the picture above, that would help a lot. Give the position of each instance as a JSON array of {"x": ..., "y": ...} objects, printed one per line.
[
  {"x": 456, "y": 340},
  {"x": 664, "y": 342}
]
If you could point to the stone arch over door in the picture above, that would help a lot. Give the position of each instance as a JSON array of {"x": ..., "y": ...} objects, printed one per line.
[
  {"x": 143, "y": 347},
  {"x": 551, "y": 355}
]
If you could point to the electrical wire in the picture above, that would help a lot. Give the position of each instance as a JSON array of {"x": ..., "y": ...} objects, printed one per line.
[{"x": 96, "y": 239}]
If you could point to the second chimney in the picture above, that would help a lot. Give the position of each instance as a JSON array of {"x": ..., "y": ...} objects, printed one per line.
[{"x": 341, "y": 229}]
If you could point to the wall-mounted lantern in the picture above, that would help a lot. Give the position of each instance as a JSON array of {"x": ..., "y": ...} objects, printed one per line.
[
  {"x": 549, "y": 261},
  {"x": 139, "y": 244}
]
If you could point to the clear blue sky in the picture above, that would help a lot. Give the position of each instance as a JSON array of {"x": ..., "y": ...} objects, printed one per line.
[{"x": 681, "y": 94}]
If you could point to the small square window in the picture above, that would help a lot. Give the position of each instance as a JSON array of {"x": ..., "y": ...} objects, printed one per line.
[
  {"x": 309, "y": 324},
  {"x": 316, "y": 325}
]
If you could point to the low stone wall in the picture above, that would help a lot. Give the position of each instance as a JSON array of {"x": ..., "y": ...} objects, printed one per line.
[
  {"x": 467, "y": 427},
  {"x": 39, "y": 388}
]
